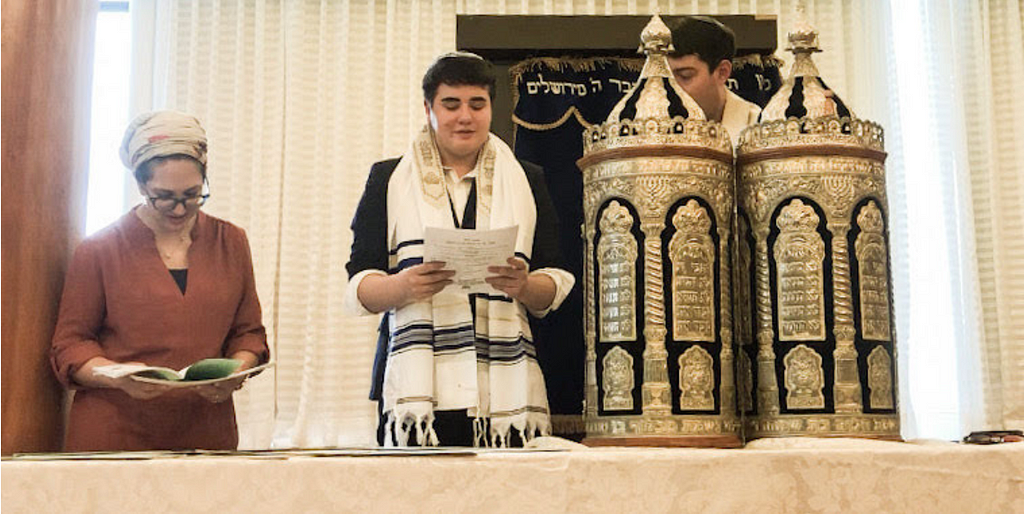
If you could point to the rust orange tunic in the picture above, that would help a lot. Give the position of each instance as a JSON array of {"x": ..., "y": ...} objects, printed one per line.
[{"x": 121, "y": 302}]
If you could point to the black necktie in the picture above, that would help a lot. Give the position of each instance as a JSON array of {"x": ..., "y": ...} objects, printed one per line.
[{"x": 469, "y": 213}]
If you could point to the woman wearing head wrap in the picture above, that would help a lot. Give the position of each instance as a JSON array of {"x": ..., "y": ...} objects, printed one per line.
[{"x": 165, "y": 285}]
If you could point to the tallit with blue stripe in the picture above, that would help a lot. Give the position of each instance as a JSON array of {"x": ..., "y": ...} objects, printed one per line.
[{"x": 438, "y": 359}]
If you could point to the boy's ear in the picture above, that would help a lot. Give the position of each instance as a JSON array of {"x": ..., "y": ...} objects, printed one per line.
[{"x": 723, "y": 71}]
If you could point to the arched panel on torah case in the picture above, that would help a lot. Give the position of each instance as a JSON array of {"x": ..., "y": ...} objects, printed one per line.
[
  {"x": 635, "y": 346},
  {"x": 676, "y": 347},
  {"x": 825, "y": 345},
  {"x": 869, "y": 343}
]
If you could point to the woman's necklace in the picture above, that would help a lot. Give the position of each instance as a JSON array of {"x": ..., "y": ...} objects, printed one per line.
[
  {"x": 172, "y": 247},
  {"x": 170, "y": 250}
]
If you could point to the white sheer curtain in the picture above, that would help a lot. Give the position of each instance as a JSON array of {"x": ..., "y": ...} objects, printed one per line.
[
  {"x": 300, "y": 97},
  {"x": 958, "y": 68}
]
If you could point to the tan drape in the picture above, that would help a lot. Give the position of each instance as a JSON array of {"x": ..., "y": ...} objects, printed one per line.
[{"x": 47, "y": 58}]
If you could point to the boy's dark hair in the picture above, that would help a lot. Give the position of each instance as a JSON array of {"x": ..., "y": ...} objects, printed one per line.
[
  {"x": 458, "y": 69},
  {"x": 144, "y": 171},
  {"x": 706, "y": 37}
]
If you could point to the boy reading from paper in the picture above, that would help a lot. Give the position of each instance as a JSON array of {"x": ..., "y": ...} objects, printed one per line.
[{"x": 455, "y": 368}]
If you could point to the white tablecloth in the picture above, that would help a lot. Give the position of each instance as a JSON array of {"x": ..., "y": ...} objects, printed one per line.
[{"x": 792, "y": 475}]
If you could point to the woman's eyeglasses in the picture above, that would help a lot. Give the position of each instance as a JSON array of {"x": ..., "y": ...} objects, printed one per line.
[{"x": 169, "y": 203}]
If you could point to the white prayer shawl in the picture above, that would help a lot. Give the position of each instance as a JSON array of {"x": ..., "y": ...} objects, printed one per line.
[
  {"x": 737, "y": 115},
  {"x": 436, "y": 358}
]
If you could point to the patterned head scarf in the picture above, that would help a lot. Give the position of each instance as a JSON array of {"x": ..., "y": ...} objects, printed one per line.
[{"x": 161, "y": 133}]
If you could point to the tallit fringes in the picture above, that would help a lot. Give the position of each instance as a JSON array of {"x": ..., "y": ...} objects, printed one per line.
[
  {"x": 432, "y": 435},
  {"x": 398, "y": 432},
  {"x": 389, "y": 425},
  {"x": 501, "y": 430},
  {"x": 543, "y": 425},
  {"x": 479, "y": 432},
  {"x": 488, "y": 433},
  {"x": 536, "y": 425},
  {"x": 401, "y": 433},
  {"x": 425, "y": 433},
  {"x": 499, "y": 440},
  {"x": 526, "y": 434},
  {"x": 419, "y": 432}
]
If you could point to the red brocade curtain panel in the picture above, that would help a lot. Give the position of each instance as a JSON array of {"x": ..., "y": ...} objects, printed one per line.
[{"x": 47, "y": 62}]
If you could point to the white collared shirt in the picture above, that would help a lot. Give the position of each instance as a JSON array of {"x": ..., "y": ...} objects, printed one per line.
[{"x": 459, "y": 188}]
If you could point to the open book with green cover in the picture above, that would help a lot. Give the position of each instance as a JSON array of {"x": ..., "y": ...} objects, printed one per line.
[{"x": 206, "y": 371}]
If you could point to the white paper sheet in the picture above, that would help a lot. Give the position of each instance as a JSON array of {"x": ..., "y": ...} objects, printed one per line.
[{"x": 469, "y": 253}]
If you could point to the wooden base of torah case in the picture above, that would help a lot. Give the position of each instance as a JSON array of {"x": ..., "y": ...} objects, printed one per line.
[
  {"x": 658, "y": 194},
  {"x": 816, "y": 352}
]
